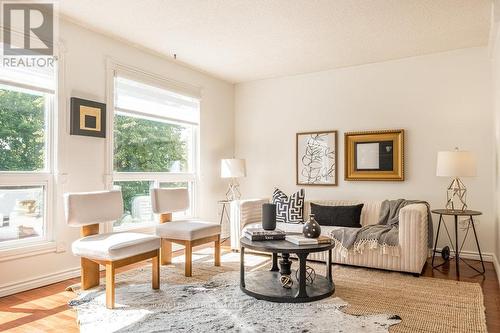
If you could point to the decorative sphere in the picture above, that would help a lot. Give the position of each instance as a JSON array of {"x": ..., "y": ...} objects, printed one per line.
[{"x": 286, "y": 281}]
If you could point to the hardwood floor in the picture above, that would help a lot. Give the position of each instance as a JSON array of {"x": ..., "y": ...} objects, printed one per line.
[{"x": 45, "y": 310}]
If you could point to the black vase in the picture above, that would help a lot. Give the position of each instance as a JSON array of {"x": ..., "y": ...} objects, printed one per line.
[
  {"x": 311, "y": 229},
  {"x": 268, "y": 216}
]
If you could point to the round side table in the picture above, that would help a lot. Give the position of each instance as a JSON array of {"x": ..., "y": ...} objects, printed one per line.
[{"x": 457, "y": 213}]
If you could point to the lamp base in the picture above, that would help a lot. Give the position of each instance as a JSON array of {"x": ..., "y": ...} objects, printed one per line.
[
  {"x": 233, "y": 192},
  {"x": 456, "y": 195}
]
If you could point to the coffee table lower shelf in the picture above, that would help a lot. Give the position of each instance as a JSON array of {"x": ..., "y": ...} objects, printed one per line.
[{"x": 266, "y": 285}]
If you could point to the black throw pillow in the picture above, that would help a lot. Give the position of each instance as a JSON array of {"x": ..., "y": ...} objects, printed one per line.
[{"x": 340, "y": 216}]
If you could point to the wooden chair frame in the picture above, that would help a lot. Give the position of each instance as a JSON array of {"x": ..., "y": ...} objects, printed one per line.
[
  {"x": 90, "y": 268},
  {"x": 166, "y": 248}
]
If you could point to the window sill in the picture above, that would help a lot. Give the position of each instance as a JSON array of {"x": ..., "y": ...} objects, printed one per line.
[{"x": 27, "y": 250}]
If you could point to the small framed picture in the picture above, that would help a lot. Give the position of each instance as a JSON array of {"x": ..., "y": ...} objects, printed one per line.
[
  {"x": 316, "y": 158},
  {"x": 87, "y": 118},
  {"x": 374, "y": 155}
]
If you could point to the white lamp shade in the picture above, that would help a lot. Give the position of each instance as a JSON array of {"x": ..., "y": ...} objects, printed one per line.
[
  {"x": 456, "y": 164},
  {"x": 233, "y": 168}
]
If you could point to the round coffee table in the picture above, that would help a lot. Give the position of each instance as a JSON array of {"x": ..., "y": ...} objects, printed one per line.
[{"x": 266, "y": 285}]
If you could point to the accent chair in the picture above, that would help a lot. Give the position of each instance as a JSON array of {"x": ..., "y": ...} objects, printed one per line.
[
  {"x": 112, "y": 250},
  {"x": 189, "y": 233}
]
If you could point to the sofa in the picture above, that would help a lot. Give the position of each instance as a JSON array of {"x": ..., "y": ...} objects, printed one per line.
[{"x": 412, "y": 233}]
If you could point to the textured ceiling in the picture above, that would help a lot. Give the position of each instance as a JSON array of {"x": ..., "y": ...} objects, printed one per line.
[{"x": 244, "y": 40}]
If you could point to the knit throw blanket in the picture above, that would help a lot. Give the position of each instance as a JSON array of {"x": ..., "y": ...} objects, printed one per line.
[{"x": 383, "y": 236}]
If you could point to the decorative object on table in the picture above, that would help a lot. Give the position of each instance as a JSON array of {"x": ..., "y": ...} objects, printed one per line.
[
  {"x": 269, "y": 216},
  {"x": 311, "y": 228},
  {"x": 374, "y": 155},
  {"x": 260, "y": 234},
  {"x": 316, "y": 158},
  {"x": 285, "y": 264},
  {"x": 286, "y": 281},
  {"x": 233, "y": 168},
  {"x": 456, "y": 214},
  {"x": 339, "y": 216},
  {"x": 87, "y": 118},
  {"x": 456, "y": 164},
  {"x": 289, "y": 209},
  {"x": 300, "y": 239},
  {"x": 310, "y": 275}
]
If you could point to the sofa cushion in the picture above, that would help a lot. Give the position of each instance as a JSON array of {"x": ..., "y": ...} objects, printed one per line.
[
  {"x": 188, "y": 229},
  {"x": 341, "y": 216},
  {"x": 289, "y": 209},
  {"x": 115, "y": 245}
]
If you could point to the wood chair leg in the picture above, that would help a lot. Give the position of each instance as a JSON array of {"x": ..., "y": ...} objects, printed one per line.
[
  {"x": 166, "y": 252},
  {"x": 90, "y": 273},
  {"x": 156, "y": 271},
  {"x": 188, "y": 265},
  {"x": 217, "y": 251},
  {"x": 110, "y": 286}
]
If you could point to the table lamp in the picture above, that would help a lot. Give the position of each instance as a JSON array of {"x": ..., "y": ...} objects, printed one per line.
[
  {"x": 233, "y": 168},
  {"x": 456, "y": 164}
]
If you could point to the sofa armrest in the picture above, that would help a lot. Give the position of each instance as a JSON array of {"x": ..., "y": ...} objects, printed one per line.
[
  {"x": 413, "y": 235},
  {"x": 243, "y": 212}
]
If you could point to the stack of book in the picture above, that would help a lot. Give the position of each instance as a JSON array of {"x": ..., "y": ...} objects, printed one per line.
[
  {"x": 259, "y": 234},
  {"x": 301, "y": 240}
]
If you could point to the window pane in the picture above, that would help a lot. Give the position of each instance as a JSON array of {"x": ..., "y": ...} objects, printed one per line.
[
  {"x": 188, "y": 185},
  {"x": 22, "y": 130},
  {"x": 136, "y": 203},
  {"x": 21, "y": 212},
  {"x": 144, "y": 145}
]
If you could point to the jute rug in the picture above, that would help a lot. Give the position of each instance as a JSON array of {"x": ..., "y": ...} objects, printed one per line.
[{"x": 423, "y": 304}]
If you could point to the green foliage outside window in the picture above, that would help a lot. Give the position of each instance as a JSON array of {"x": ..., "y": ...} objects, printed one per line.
[
  {"x": 22, "y": 131},
  {"x": 143, "y": 145}
]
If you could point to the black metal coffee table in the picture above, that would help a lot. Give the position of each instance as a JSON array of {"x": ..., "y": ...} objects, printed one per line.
[{"x": 266, "y": 285}]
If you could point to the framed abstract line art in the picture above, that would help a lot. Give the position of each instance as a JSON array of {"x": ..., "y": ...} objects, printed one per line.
[
  {"x": 316, "y": 158},
  {"x": 374, "y": 155},
  {"x": 87, "y": 118}
]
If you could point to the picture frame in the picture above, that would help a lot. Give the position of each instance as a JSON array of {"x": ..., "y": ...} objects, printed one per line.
[
  {"x": 374, "y": 155},
  {"x": 87, "y": 118},
  {"x": 316, "y": 158}
]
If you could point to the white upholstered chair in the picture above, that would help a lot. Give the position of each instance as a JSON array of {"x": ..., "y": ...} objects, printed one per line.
[
  {"x": 185, "y": 232},
  {"x": 112, "y": 250}
]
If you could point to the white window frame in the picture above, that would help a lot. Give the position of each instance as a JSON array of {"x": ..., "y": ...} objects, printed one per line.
[
  {"x": 17, "y": 248},
  {"x": 114, "y": 69}
]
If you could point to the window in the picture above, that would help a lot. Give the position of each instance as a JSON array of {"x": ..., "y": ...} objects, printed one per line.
[
  {"x": 26, "y": 110},
  {"x": 154, "y": 145}
]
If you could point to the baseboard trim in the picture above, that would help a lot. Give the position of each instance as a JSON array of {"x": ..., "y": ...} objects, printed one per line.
[
  {"x": 40, "y": 281},
  {"x": 497, "y": 267}
]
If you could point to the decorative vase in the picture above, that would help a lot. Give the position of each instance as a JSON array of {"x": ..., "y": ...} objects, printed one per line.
[
  {"x": 311, "y": 229},
  {"x": 268, "y": 216}
]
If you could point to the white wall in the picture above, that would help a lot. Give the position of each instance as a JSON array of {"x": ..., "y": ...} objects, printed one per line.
[
  {"x": 441, "y": 100},
  {"x": 82, "y": 159},
  {"x": 495, "y": 48}
]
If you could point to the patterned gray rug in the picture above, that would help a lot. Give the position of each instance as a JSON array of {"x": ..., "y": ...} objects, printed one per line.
[{"x": 211, "y": 302}]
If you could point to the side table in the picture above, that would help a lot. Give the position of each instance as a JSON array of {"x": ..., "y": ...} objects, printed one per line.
[
  {"x": 456, "y": 249},
  {"x": 224, "y": 217}
]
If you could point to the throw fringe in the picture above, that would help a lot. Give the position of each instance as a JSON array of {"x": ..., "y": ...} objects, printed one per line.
[{"x": 367, "y": 244}]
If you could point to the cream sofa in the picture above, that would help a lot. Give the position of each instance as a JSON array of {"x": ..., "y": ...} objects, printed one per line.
[{"x": 412, "y": 233}]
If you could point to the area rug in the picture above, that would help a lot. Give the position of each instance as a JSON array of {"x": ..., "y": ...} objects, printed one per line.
[{"x": 365, "y": 301}]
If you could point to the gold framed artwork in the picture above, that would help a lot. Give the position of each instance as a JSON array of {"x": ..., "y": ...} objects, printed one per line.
[
  {"x": 374, "y": 155},
  {"x": 88, "y": 118},
  {"x": 316, "y": 158}
]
